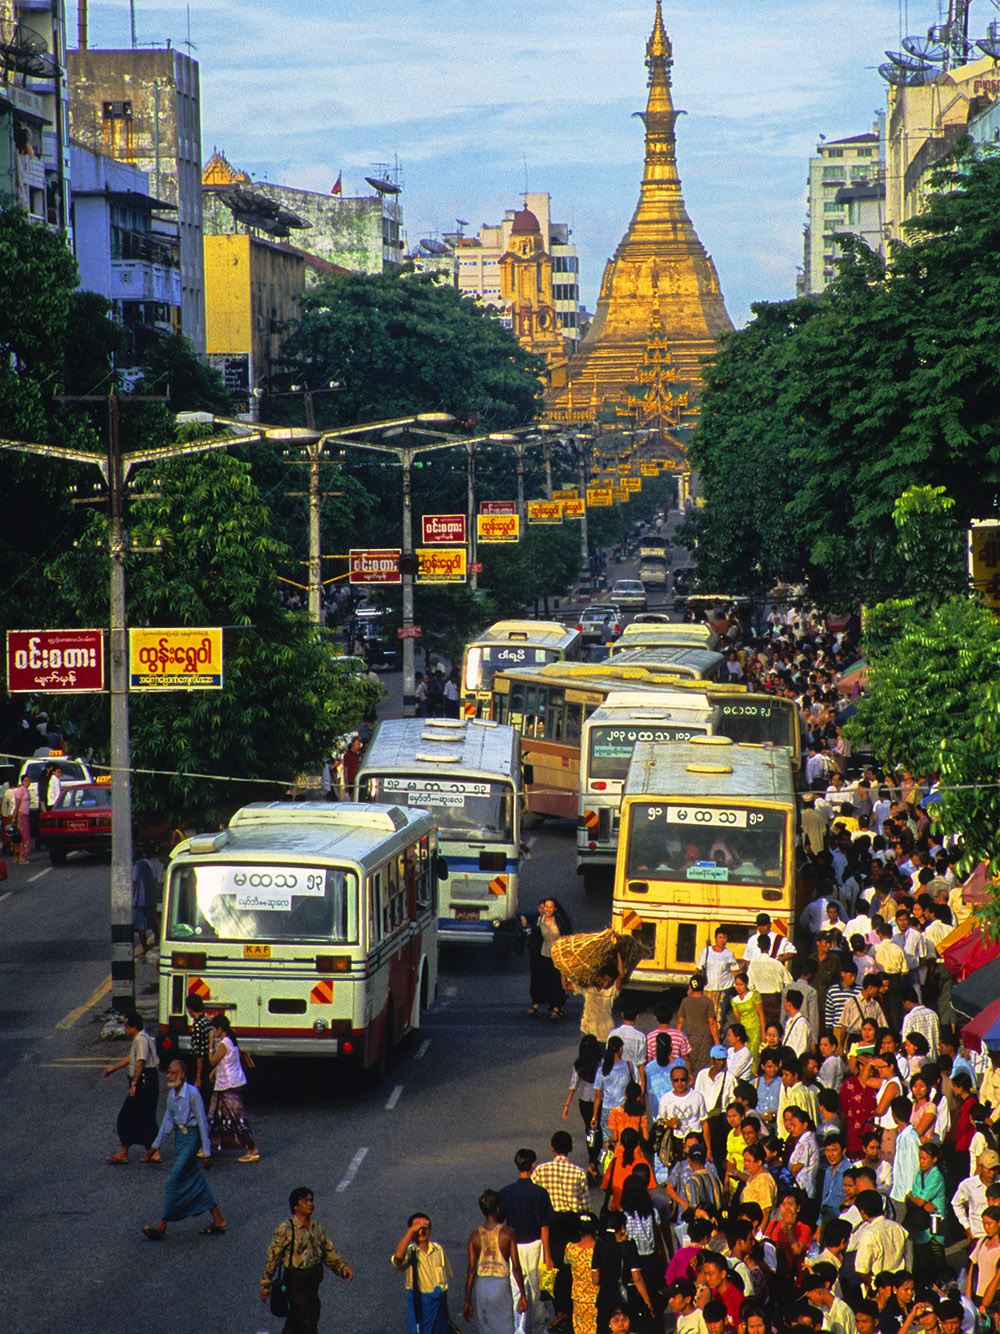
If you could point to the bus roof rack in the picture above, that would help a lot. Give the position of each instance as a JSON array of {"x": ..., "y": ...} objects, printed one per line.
[{"x": 357, "y": 813}]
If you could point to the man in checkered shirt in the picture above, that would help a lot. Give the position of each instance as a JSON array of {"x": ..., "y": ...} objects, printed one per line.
[{"x": 567, "y": 1187}]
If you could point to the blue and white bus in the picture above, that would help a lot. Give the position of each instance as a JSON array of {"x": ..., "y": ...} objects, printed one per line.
[{"x": 468, "y": 775}]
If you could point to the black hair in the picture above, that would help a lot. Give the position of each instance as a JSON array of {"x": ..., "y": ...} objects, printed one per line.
[
  {"x": 489, "y": 1201},
  {"x": 525, "y": 1159},
  {"x": 615, "y": 1045},
  {"x": 664, "y": 1049},
  {"x": 134, "y": 1020},
  {"x": 562, "y": 1142},
  {"x": 300, "y": 1193},
  {"x": 588, "y": 1058}
]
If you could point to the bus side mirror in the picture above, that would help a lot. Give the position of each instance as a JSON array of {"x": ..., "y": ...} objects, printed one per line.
[
  {"x": 441, "y": 867},
  {"x": 528, "y": 770}
]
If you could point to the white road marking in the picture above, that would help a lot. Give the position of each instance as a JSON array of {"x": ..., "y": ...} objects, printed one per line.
[
  {"x": 33, "y": 878},
  {"x": 421, "y": 1051},
  {"x": 352, "y": 1171},
  {"x": 6, "y": 896},
  {"x": 394, "y": 1097}
]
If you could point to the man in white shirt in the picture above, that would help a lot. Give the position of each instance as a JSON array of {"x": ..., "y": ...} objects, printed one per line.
[
  {"x": 717, "y": 961},
  {"x": 969, "y": 1199},
  {"x": 817, "y": 1287},
  {"x": 778, "y": 946},
  {"x": 683, "y": 1108},
  {"x": 918, "y": 1018},
  {"x": 633, "y": 1038},
  {"x": 796, "y": 1034},
  {"x": 881, "y": 1243}
]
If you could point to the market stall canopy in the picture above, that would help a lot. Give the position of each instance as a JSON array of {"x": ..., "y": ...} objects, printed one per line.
[
  {"x": 966, "y": 949},
  {"x": 984, "y": 1030},
  {"x": 977, "y": 992},
  {"x": 852, "y": 682}
]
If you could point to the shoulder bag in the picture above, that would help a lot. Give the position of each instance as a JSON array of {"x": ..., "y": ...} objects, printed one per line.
[{"x": 279, "y": 1283}]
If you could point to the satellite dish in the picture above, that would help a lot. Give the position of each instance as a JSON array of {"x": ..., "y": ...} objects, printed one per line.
[
  {"x": 894, "y": 74},
  {"x": 25, "y": 51},
  {"x": 383, "y": 186},
  {"x": 462, "y": 222},
  {"x": 906, "y": 61},
  {"x": 925, "y": 48},
  {"x": 289, "y": 219},
  {"x": 990, "y": 45}
]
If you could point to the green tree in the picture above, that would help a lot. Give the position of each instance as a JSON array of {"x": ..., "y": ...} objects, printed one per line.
[
  {"x": 931, "y": 545},
  {"x": 171, "y": 367},
  {"x": 927, "y": 681},
  {"x": 286, "y": 697}
]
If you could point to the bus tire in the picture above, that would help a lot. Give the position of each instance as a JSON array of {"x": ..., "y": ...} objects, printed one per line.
[{"x": 377, "y": 1072}]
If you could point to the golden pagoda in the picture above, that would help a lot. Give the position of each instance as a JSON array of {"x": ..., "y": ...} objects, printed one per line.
[{"x": 660, "y": 310}]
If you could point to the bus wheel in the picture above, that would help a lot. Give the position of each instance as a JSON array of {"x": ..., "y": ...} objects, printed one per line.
[{"x": 378, "y": 1071}]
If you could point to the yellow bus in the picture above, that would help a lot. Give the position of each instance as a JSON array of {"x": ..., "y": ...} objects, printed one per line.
[
  {"x": 311, "y": 925},
  {"x": 662, "y": 634},
  {"x": 707, "y": 839},
  {"x": 687, "y": 661},
  {"x": 513, "y": 644}
]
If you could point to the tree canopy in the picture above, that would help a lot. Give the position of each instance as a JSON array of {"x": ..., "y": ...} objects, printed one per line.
[{"x": 820, "y": 414}]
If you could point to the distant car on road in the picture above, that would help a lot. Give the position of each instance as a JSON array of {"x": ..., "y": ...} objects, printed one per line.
[
  {"x": 591, "y": 624},
  {"x": 628, "y": 593}
]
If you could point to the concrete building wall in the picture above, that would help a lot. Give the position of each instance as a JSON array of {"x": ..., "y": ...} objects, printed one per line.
[
  {"x": 143, "y": 107},
  {"x": 839, "y": 168}
]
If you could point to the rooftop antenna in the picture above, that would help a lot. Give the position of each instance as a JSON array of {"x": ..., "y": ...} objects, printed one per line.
[
  {"x": 131, "y": 12},
  {"x": 189, "y": 44},
  {"x": 525, "y": 156}
]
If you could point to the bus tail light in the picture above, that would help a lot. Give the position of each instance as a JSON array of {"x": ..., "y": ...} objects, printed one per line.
[
  {"x": 333, "y": 963},
  {"x": 187, "y": 960},
  {"x": 600, "y": 785},
  {"x": 347, "y": 1047}
]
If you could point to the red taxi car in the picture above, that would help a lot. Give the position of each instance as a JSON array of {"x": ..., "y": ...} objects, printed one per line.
[{"x": 81, "y": 818}]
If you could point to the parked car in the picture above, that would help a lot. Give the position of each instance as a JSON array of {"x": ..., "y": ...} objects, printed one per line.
[
  {"x": 628, "y": 593},
  {"x": 592, "y": 623}
]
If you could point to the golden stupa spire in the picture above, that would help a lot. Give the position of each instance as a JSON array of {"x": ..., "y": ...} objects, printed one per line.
[{"x": 659, "y": 283}]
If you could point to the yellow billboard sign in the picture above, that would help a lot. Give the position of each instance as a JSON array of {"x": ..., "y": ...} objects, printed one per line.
[
  {"x": 649, "y": 470},
  {"x": 599, "y": 497},
  {"x": 568, "y": 493},
  {"x": 175, "y": 659},
  {"x": 497, "y": 527},
  {"x": 442, "y": 565},
  {"x": 545, "y": 511},
  {"x": 632, "y": 484},
  {"x": 574, "y": 509},
  {"x": 619, "y": 494},
  {"x": 984, "y": 560}
]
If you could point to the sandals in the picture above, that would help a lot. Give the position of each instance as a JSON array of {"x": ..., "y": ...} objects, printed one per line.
[
  {"x": 117, "y": 1160},
  {"x": 556, "y": 1014},
  {"x": 534, "y": 1013},
  {"x": 153, "y": 1234},
  {"x": 213, "y": 1230}
]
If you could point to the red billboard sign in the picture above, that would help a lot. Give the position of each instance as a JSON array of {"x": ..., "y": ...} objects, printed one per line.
[
  {"x": 55, "y": 662},
  {"x": 444, "y": 528},
  {"x": 370, "y": 566},
  {"x": 497, "y": 507},
  {"x": 409, "y": 632}
]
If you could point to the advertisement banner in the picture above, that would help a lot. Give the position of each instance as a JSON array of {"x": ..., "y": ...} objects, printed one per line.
[
  {"x": 984, "y": 560},
  {"x": 567, "y": 493},
  {"x": 632, "y": 484},
  {"x": 369, "y": 566},
  {"x": 498, "y": 507},
  {"x": 441, "y": 565},
  {"x": 175, "y": 659},
  {"x": 449, "y": 528},
  {"x": 497, "y": 527},
  {"x": 545, "y": 511},
  {"x": 574, "y": 509},
  {"x": 55, "y": 662},
  {"x": 619, "y": 495},
  {"x": 599, "y": 497},
  {"x": 649, "y": 470}
]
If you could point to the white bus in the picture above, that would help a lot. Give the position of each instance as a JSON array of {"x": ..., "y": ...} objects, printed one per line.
[
  {"x": 468, "y": 775},
  {"x": 513, "y": 644},
  {"x": 609, "y": 737},
  {"x": 676, "y": 634},
  {"x": 311, "y": 925}
]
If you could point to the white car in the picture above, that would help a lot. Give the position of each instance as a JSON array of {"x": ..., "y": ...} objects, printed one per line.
[
  {"x": 591, "y": 624},
  {"x": 629, "y": 593}
]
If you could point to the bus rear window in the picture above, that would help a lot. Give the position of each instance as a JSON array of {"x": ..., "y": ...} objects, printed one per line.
[
  {"x": 756, "y": 724},
  {"x": 261, "y": 901},
  {"x": 611, "y": 745},
  {"x": 472, "y": 810},
  {"x": 683, "y": 841}
]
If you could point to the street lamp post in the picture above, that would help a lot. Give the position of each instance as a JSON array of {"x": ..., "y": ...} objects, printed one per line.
[{"x": 506, "y": 438}]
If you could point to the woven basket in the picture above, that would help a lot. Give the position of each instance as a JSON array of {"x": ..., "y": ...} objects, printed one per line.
[{"x": 580, "y": 959}]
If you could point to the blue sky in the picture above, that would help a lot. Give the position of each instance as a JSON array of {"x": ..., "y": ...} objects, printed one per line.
[{"x": 465, "y": 95}]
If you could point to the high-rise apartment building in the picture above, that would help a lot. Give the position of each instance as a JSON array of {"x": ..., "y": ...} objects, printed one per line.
[
  {"x": 34, "y": 126},
  {"x": 846, "y": 194},
  {"x": 143, "y": 107}
]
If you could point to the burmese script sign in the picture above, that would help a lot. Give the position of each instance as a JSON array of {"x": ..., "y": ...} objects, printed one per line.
[
  {"x": 497, "y": 527},
  {"x": 441, "y": 565},
  {"x": 375, "y": 566},
  {"x": 55, "y": 662},
  {"x": 984, "y": 560},
  {"x": 497, "y": 507},
  {"x": 568, "y": 493},
  {"x": 599, "y": 497},
  {"x": 545, "y": 511},
  {"x": 444, "y": 528},
  {"x": 175, "y": 659},
  {"x": 573, "y": 509}
]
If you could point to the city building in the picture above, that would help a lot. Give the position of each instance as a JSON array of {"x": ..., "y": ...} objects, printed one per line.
[
  {"x": 477, "y": 265},
  {"x": 361, "y": 234},
  {"x": 34, "y": 124},
  {"x": 251, "y": 286},
  {"x": 119, "y": 252},
  {"x": 660, "y": 310},
  {"x": 142, "y": 107},
  {"x": 924, "y": 123},
  {"x": 846, "y": 194}
]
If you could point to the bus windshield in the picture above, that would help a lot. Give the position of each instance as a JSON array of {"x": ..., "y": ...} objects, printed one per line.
[
  {"x": 612, "y": 744},
  {"x": 736, "y": 844},
  {"x": 470, "y": 809},
  {"x": 485, "y": 660},
  {"x": 756, "y": 722},
  {"x": 262, "y": 901}
]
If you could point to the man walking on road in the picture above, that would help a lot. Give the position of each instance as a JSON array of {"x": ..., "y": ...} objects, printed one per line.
[
  {"x": 304, "y": 1248},
  {"x": 566, "y": 1184},
  {"x": 427, "y": 1274},
  {"x": 526, "y": 1208},
  {"x": 187, "y": 1192}
]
